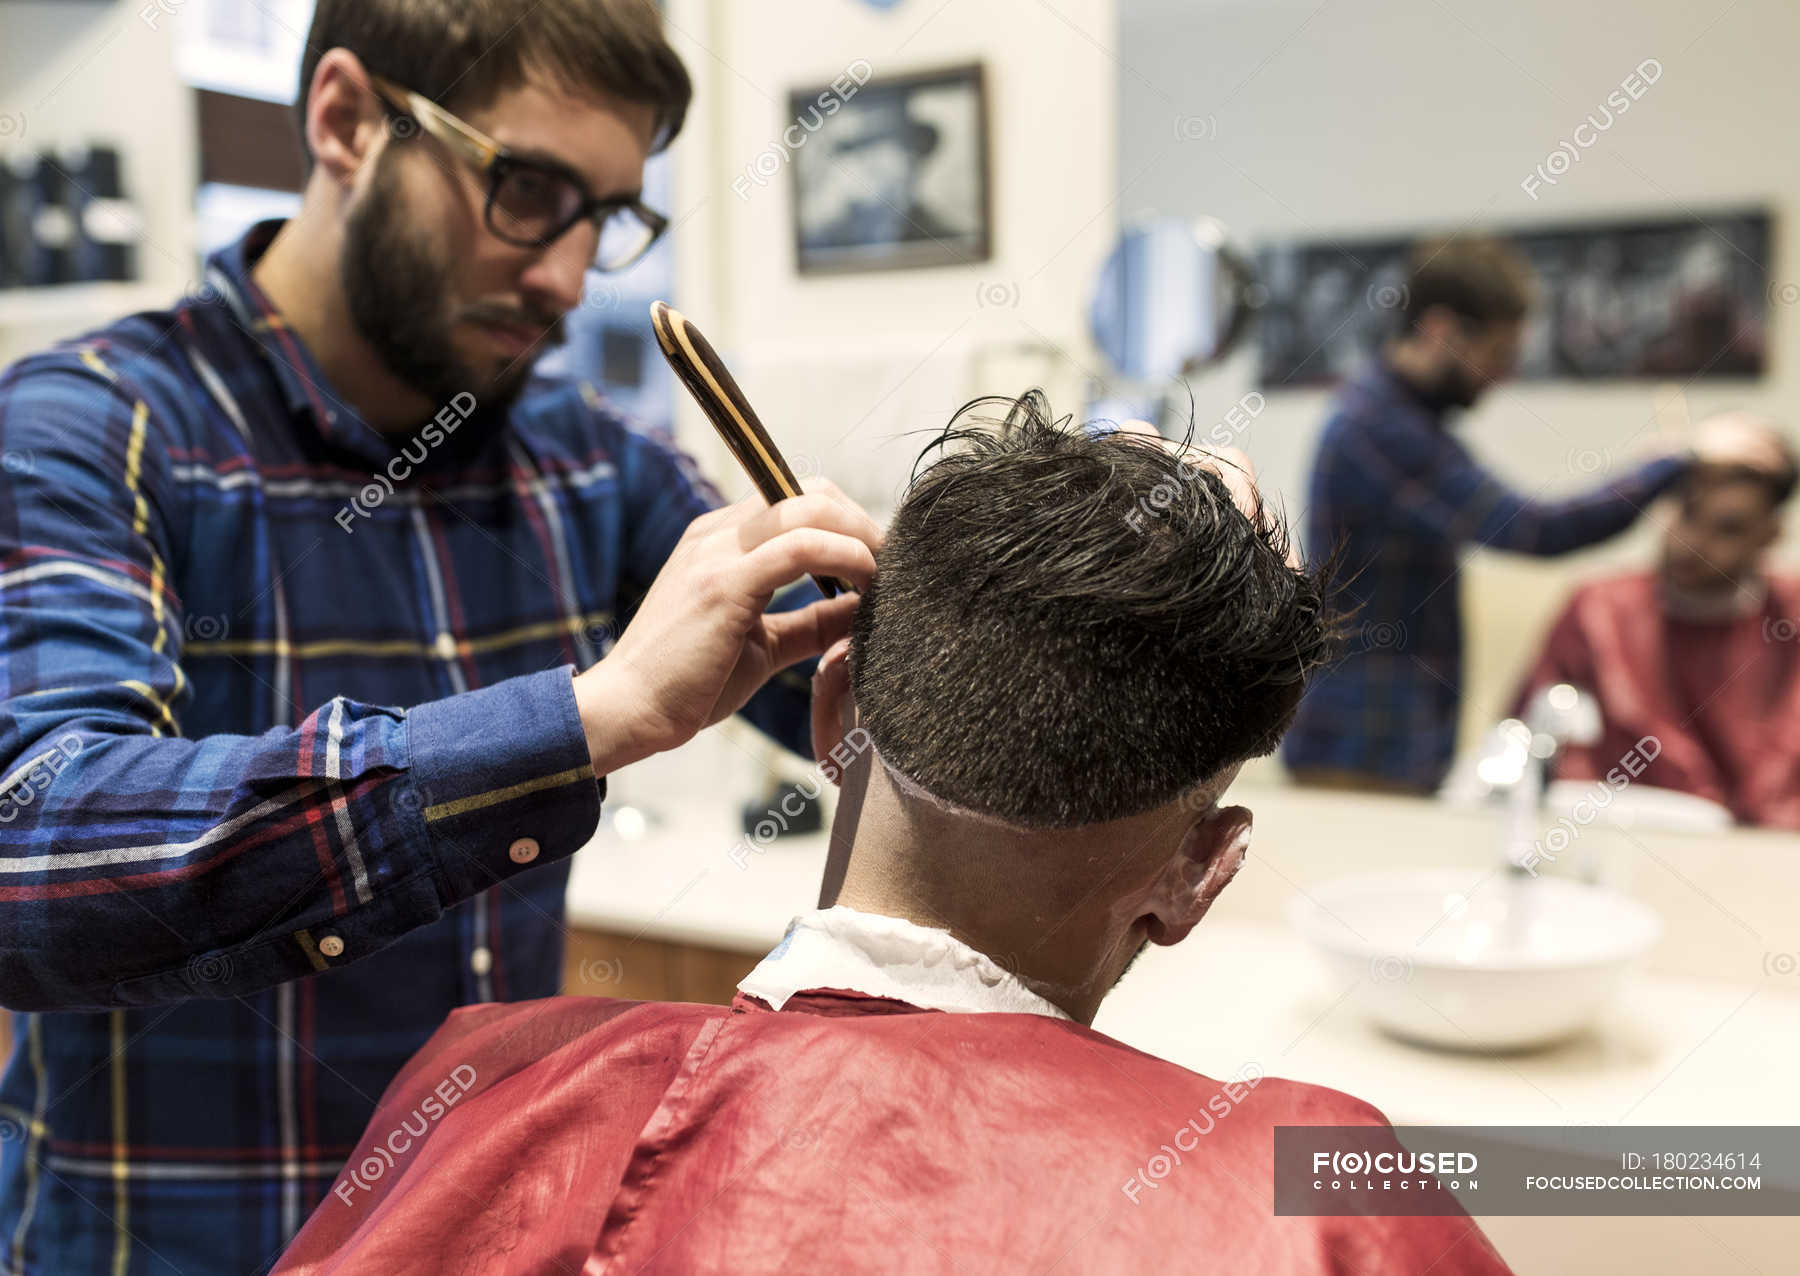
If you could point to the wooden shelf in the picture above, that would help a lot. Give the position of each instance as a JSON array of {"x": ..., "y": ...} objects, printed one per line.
[{"x": 609, "y": 964}]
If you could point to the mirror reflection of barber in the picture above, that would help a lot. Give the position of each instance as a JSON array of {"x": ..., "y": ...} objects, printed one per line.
[{"x": 1404, "y": 498}]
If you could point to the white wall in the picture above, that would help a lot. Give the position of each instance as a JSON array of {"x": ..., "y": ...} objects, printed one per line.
[
  {"x": 841, "y": 367},
  {"x": 851, "y": 373},
  {"x": 1318, "y": 120}
]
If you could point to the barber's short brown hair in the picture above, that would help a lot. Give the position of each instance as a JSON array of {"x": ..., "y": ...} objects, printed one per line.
[
  {"x": 462, "y": 54},
  {"x": 1478, "y": 278}
]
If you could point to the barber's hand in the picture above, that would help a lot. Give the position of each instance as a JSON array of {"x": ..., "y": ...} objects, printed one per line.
[
  {"x": 700, "y": 645},
  {"x": 1231, "y": 464},
  {"x": 1739, "y": 439}
]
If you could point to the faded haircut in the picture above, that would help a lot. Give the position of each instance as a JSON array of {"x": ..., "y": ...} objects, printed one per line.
[
  {"x": 462, "y": 54},
  {"x": 1067, "y": 628}
]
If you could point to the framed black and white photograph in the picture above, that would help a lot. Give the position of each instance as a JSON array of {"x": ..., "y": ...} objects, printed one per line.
[
  {"x": 1650, "y": 297},
  {"x": 896, "y": 176},
  {"x": 229, "y": 46}
]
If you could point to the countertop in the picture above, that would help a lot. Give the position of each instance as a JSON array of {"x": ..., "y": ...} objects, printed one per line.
[
  {"x": 1705, "y": 1033},
  {"x": 1687, "y": 1042}
]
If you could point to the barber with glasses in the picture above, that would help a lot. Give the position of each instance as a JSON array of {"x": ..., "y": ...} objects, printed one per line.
[{"x": 323, "y": 620}]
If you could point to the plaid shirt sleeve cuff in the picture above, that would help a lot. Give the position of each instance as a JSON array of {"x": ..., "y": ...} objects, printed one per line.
[
  {"x": 1664, "y": 472},
  {"x": 503, "y": 779}
]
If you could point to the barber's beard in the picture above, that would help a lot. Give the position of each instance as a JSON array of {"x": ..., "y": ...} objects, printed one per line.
[
  {"x": 1454, "y": 387},
  {"x": 1442, "y": 388},
  {"x": 399, "y": 299}
]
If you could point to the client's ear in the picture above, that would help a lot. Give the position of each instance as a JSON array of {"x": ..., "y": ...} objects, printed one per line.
[
  {"x": 1203, "y": 865},
  {"x": 834, "y": 718}
]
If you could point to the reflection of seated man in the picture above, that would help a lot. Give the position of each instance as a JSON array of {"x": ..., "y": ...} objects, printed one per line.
[
  {"x": 1702, "y": 651},
  {"x": 1059, "y": 674}
]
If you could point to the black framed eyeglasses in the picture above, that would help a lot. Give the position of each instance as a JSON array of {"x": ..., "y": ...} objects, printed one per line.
[{"x": 531, "y": 203}]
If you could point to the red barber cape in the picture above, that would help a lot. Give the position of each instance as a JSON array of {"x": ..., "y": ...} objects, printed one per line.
[
  {"x": 843, "y": 1133},
  {"x": 1709, "y": 708}
]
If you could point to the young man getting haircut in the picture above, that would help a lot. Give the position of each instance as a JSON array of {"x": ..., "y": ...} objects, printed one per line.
[
  {"x": 309, "y": 586},
  {"x": 1048, "y": 697}
]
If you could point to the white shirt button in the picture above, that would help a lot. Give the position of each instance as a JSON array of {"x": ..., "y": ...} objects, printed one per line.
[
  {"x": 481, "y": 961},
  {"x": 332, "y": 946},
  {"x": 524, "y": 850}
]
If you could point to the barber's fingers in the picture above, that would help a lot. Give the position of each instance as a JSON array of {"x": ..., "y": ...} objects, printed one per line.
[
  {"x": 806, "y": 549},
  {"x": 822, "y": 510},
  {"x": 1739, "y": 439},
  {"x": 820, "y": 499},
  {"x": 1219, "y": 459},
  {"x": 804, "y": 632},
  {"x": 1232, "y": 465},
  {"x": 1235, "y": 470},
  {"x": 818, "y": 485}
]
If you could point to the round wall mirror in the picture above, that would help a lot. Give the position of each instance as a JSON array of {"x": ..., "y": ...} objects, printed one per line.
[{"x": 1175, "y": 296}]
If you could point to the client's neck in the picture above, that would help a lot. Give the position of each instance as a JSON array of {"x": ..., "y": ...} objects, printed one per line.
[{"x": 976, "y": 880}]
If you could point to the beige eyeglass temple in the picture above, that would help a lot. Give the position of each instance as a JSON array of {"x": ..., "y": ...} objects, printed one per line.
[{"x": 472, "y": 141}]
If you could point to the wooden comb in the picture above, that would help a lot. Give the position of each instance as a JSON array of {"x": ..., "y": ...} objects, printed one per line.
[{"x": 716, "y": 391}]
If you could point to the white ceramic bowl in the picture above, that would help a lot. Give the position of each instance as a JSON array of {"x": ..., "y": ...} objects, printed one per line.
[
  {"x": 1637, "y": 806},
  {"x": 1496, "y": 963}
]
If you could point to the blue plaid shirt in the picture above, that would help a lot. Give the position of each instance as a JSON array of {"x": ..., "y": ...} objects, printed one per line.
[
  {"x": 280, "y": 787},
  {"x": 1403, "y": 497}
]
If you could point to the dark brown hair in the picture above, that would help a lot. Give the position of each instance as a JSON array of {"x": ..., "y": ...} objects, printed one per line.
[
  {"x": 1480, "y": 279},
  {"x": 462, "y": 54},
  {"x": 1066, "y": 628}
]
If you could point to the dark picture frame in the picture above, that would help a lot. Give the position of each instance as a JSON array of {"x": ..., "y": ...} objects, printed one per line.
[
  {"x": 1621, "y": 298},
  {"x": 891, "y": 174}
]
